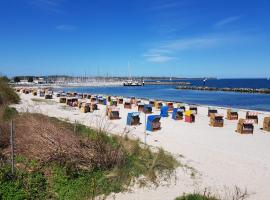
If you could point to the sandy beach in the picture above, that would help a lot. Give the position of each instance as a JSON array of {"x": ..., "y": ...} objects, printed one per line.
[{"x": 221, "y": 158}]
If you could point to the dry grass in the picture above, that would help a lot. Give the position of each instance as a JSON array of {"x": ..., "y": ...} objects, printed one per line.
[{"x": 39, "y": 138}]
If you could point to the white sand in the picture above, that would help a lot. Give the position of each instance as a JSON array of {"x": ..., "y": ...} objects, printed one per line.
[{"x": 222, "y": 157}]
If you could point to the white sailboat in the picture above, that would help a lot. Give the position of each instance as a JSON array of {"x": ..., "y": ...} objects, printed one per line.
[{"x": 131, "y": 82}]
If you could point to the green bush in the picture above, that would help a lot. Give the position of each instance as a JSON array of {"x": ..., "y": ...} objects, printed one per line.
[
  {"x": 196, "y": 197},
  {"x": 22, "y": 185},
  {"x": 9, "y": 113},
  {"x": 7, "y": 94}
]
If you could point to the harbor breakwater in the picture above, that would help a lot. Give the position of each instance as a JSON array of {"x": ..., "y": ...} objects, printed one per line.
[{"x": 241, "y": 90}]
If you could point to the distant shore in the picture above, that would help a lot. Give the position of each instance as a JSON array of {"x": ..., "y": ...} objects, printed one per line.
[{"x": 70, "y": 84}]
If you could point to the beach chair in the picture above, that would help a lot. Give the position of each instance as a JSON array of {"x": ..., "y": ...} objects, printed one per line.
[
  {"x": 211, "y": 110},
  {"x": 34, "y": 93},
  {"x": 133, "y": 100},
  {"x": 140, "y": 107},
  {"x": 102, "y": 101},
  {"x": 133, "y": 118},
  {"x": 245, "y": 126},
  {"x": 120, "y": 100},
  {"x": 72, "y": 101},
  {"x": 41, "y": 93},
  {"x": 93, "y": 107},
  {"x": 158, "y": 105},
  {"x": 189, "y": 116},
  {"x": 193, "y": 108},
  {"x": 266, "y": 124},
  {"x": 181, "y": 106},
  {"x": 153, "y": 123},
  {"x": 113, "y": 112},
  {"x": 93, "y": 99},
  {"x": 109, "y": 98},
  {"x": 147, "y": 109},
  {"x": 48, "y": 96},
  {"x": 216, "y": 120},
  {"x": 62, "y": 100},
  {"x": 113, "y": 102},
  {"x": 85, "y": 107},
  {"x": 252, "y": 116},
  {"x": 127, "y": 105},
  {"x": 177, "y": 114},
  {"x": 170, "y": 106},
  {"x": 164, "y": 111},
  {"x": 138, "y": 101},
  {"x": 152, "y": 102},
  {"x": 232, "y": 114}
]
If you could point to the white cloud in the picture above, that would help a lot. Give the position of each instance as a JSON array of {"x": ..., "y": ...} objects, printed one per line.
[
  {"x": 166, "y": 51},
  {"x": 66, "y": 27},
  {"x": 228, "y": 20},
  {"x": 157, "y": 58}
]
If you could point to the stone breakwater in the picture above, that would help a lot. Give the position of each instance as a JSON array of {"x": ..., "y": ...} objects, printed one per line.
[{"x": 242, "y": 90}]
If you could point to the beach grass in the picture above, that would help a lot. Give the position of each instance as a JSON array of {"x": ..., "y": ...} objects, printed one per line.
[{"x": 64, "y": 179}]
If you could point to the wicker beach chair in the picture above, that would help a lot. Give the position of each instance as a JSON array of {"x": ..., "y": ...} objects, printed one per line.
[{"x": 245, "y": 126}]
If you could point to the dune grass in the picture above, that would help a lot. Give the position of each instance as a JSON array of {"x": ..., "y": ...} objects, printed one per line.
[
  {"x": 7, "y": 94},
  {"x": 196, "y": 197},
  {"x": 35, "y": 179}
]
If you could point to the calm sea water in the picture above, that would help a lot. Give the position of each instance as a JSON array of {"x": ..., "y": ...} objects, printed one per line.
[{"x": 169, "y": 93}]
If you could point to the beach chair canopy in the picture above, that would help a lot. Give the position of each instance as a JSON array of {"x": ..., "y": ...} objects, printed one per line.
[
  {"x": 188, "y": 113},
  {"x": 164, "y": 111},
  {"x": 147, "y": 106},
  {"x": 152, "y": 118},
  {"x": 252, "y": 113},
  {"x": 131, "y": 116}
]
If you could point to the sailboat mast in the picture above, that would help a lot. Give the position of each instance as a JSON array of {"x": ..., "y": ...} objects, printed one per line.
[{"x": 129, "y": 70}]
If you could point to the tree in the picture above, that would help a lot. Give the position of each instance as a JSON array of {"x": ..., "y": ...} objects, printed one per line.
[
  {"x": 17, "y": 79},
  {"x": 30, "y": 79}
]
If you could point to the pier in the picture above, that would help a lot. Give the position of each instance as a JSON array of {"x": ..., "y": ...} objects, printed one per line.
[
  {"x": 241, "y": 90},
  {"x": 166, "y": 83}
]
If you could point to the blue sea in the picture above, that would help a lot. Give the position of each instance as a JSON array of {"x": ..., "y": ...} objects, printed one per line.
[{"x": 213, "y": 98}]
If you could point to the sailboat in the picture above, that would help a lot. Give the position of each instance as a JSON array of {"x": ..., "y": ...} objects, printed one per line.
[{"x": 131, "y": 82}]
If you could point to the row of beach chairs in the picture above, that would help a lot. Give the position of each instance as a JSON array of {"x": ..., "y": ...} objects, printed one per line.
[{"x": 89, "y": 103}]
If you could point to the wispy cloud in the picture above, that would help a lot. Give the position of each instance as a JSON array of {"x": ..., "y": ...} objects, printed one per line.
[
  {"x": 167, "y": 50},
  {"x": 158, "y": 58},
  {"x": 49, "y": 5},
  {"x": 228, "y": 20},
  {"x": 66, "y": 27}
]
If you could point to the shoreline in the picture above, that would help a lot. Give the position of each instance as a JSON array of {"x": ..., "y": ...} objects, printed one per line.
[{"x": 55, "y": 89}]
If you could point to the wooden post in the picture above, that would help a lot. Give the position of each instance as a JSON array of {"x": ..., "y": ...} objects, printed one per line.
[
  {"x": 75, "y": 126},
  {"x": 12, "y": 147},
  {"x": 145, "y": 128}
]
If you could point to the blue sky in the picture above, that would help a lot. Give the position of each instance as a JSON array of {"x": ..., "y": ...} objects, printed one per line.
[{"x": 186, "y": 38}]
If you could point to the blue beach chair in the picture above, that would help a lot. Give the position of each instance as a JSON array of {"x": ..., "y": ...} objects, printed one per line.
[
  {"x": 153, "y": 123},
  {"x": 164, "y": 111},
  {"x": 133, "y": 118}
]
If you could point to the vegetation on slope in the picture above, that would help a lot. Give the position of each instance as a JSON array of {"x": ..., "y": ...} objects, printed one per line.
[
  {"x": 54, "y": 162},
  {"x": 7, "y": 94}
]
